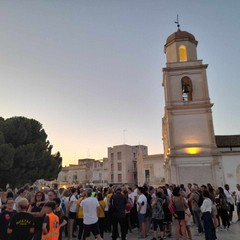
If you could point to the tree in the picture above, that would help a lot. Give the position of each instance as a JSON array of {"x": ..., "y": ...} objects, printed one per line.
[{"x": 25, "y": 153}]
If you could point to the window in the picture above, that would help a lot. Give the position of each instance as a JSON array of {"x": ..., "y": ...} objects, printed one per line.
[
  {"x": 119, "y": 156},
  {"x": 119, "y": 178},
  {"x": 100, "y": 176},
  {"x": 74, "y": 177},
  {"x": 119, "y": 166},
  {"x": 135, "y": 177},
  {"x": 112, "y": 167},
  {"x": 182, "y": 53},
  {"x": 112, "y": 156},
  {"x": 134, "y": 166},
  {"x": 147, "y": 175},
  {"x": 186, "y": 89},
  {"x": 112, "y": 178}
]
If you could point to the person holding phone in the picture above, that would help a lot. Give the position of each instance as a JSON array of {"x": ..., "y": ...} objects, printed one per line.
[{"x": 142, "y": 209}]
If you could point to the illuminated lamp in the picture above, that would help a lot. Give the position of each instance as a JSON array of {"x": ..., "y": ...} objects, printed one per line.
[{"x": 193, "y": 150}]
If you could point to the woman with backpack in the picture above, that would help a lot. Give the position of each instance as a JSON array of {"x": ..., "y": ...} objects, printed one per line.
[
  {"x": 223, "y": 208},
  {"x": 157, "y": 215},
  {"x": 196, "y": 202},
  {"x": 167, "y": 214}
]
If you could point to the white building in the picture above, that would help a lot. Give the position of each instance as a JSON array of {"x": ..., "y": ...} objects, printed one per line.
[
  {"x": 75, "y": 174},
  {"x": 100, "y": 172},
  {"x": 229, "y": 147},
  {"x": 153, "y": 170}
]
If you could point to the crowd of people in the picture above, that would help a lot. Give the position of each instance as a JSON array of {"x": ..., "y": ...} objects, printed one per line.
[{"x": 32, "y": 214}]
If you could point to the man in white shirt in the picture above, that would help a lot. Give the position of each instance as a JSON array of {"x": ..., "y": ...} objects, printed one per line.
[
  {"x": 142, "y": 209},
  {"x": 230, "y": 200},
  {"x": 91, "y": 209},
  {"x": 133, "y": 214},
  {"x": 169, "y": 192}
]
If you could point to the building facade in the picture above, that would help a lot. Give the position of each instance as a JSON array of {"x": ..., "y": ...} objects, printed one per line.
[
  {"x": 79, "y": 173},
  {"x": 229, "y": 147},
  {"x": 153, "y": 170},
  {"x": 100, "y": 172},
  {"x": 125, "y": 165},
  {"x": 122, "y": 163}
]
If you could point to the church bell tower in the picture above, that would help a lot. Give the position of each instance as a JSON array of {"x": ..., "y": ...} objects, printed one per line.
[{"x": 190, "y": 151}]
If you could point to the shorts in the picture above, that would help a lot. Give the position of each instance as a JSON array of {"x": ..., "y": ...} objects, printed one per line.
[
  {"x": 180, "y": 215},
  {"x": 141, "y": 218},
  {"x": 72, "y": 215},
  {"x": 231, "y": 207},
  {"x": 91, "y": 228},
  {"x": 156, "y": 223}
]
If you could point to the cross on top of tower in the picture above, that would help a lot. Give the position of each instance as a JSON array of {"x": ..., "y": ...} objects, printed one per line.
[{"x": 177, "y": 22}]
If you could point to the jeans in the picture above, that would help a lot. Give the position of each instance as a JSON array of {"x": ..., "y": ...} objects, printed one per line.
[
  {"x": 122, "y": 223},
  {"x": 197, "y": 217},
  {"x": 210, "y": 233}
]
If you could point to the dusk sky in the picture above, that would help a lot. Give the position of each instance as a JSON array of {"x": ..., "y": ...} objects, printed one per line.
[{"x": 91, "y": 71}]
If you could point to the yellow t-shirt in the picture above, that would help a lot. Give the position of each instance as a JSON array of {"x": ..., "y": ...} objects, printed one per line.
[
  {"x": 102, "y": 207},
  {"x": 109, "y": 197},
  {"x": 80, "y": 210}
]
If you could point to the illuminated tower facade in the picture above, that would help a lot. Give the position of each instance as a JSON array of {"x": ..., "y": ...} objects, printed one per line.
[{"x": 190, "y": 151}]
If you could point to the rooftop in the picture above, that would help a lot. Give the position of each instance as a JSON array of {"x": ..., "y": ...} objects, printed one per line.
[
  {"x": 228, "y": 140},
  {"x": 180, "y": 35}
]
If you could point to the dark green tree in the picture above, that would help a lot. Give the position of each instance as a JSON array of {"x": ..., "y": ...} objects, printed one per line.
[{"x": 25, "y": 153}]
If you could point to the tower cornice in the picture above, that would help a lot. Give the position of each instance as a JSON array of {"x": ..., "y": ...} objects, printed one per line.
[
  {"x": 189, "y": 106},
  {"x": 184, "y": 67}
]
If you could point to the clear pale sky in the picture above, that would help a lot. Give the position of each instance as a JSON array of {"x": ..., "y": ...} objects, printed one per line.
[{"x": 91, "y": 71}]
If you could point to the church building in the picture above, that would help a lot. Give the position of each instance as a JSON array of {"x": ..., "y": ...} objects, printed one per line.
[{"x": 191, "y": 152}]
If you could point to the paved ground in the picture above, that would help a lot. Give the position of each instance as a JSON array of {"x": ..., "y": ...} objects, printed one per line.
[{"x": 233, "y": 234}]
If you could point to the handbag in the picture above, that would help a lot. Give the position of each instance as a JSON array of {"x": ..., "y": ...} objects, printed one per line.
[
  {"x": 225, "y": 206},
  {"x": 171, "y": 208},
  {"x": 129, "y": 205}
]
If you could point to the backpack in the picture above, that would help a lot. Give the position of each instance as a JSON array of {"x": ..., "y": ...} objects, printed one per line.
[
  {"x": 63, "y": 207},
  {"x": 200, "y": 200},
  {"x": 157, "y": 211},
  {"x": 225, "y": 206}
]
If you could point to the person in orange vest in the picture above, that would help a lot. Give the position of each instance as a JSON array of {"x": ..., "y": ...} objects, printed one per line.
[{"x": 51, "y": 225}]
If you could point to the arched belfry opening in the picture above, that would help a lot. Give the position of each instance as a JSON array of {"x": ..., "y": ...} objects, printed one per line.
[
  {"x": 182, "y": 53},
  {"x": 186, "y": 89}
]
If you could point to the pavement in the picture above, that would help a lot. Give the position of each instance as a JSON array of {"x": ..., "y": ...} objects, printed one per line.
[{"x": 233, "y": 234}]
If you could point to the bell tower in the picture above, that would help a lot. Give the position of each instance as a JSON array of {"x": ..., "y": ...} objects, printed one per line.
[{"x": 190, "y": 151}]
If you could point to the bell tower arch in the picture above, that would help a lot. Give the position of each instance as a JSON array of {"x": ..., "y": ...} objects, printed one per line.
[{"x": 188, "y": 133}]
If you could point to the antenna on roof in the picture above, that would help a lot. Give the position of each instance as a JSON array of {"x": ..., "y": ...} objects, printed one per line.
[
  {"x": 124, "y": 130},
  {"x": 177, "y": 22}
]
